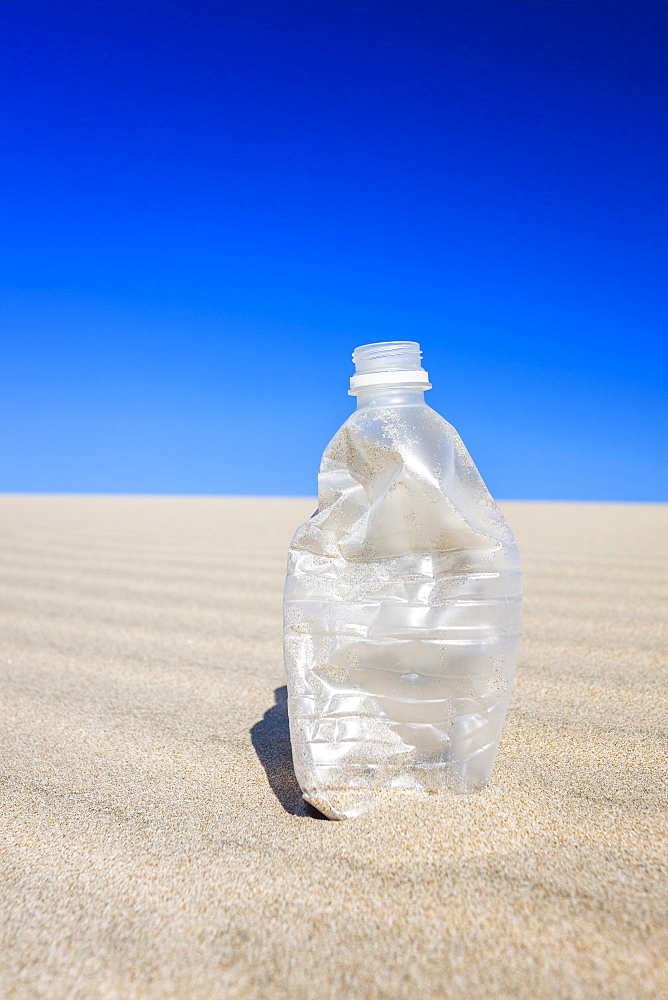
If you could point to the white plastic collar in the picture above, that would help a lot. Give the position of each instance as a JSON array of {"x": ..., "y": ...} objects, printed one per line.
[{"x": 400, "y": 376}]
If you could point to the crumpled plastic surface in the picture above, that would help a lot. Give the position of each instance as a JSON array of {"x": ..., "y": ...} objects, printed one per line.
[{"x": 402, "y": 617}]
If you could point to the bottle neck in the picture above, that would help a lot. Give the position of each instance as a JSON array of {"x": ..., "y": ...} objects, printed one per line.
[
  {"x": 389, "y": 374},
  {"x": 389, "y": 396}
]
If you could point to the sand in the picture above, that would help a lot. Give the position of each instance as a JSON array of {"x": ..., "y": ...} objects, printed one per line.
[{"x": 154, "y": 842}]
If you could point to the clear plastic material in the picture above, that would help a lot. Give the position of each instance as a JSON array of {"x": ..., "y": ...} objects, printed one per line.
[{"x": 402, "y": 612}]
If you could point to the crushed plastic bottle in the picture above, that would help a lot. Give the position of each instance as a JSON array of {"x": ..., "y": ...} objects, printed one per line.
[{"x": 402, "y": 604}]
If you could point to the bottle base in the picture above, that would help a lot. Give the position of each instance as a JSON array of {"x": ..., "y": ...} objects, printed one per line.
[{"x": 349, "y": 803}]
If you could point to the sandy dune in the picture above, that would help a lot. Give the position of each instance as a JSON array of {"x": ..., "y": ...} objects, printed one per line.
[{"x": 155, "y": 844}]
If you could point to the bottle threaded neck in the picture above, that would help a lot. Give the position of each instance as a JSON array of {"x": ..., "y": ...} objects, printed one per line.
[{"x": 387, "y": 364}]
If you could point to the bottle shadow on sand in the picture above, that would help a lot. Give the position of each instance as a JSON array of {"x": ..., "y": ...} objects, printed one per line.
[{"x": 271, "y": 740}]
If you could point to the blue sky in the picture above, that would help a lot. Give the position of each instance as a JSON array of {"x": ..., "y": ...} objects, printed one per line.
[{"x": 207, "y": 206}]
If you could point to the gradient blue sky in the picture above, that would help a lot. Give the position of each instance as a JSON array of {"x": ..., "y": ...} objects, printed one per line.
[{"x": 207, "y": 206}]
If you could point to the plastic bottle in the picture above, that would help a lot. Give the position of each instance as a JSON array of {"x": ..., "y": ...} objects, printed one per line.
[{"x": 402, "y": 604}]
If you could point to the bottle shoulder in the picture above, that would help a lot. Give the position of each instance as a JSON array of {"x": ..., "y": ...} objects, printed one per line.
[
  {"x": 409, "y": 414},
  {"x": 399, "y": 479},
  {"x": 398, "y": 430}
]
